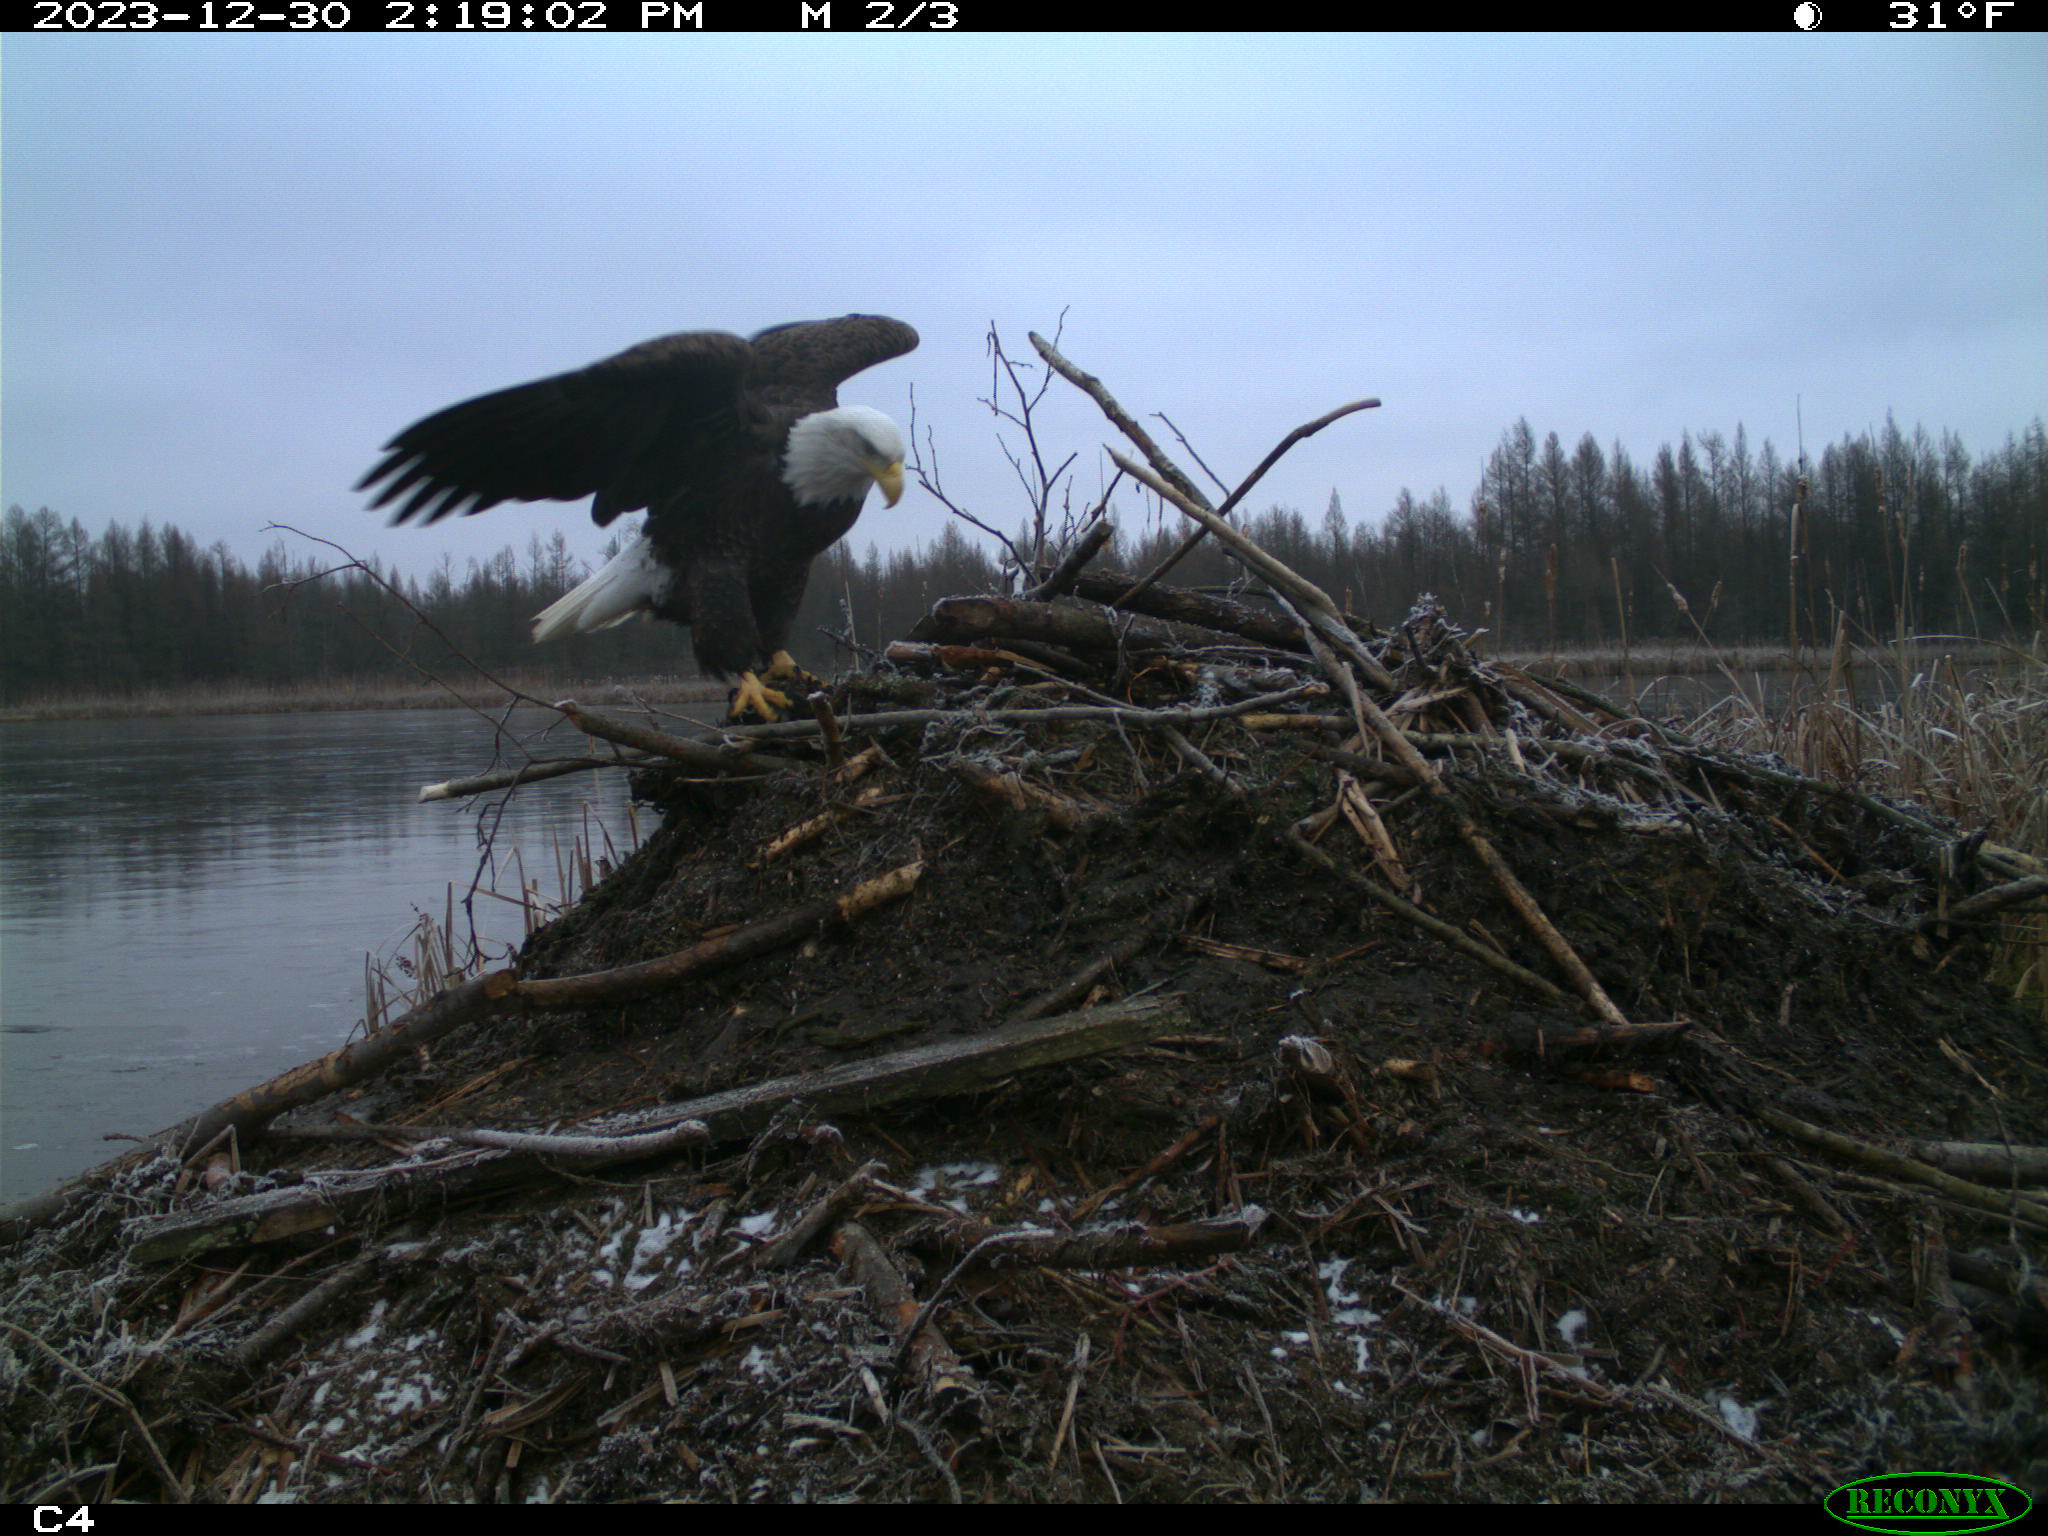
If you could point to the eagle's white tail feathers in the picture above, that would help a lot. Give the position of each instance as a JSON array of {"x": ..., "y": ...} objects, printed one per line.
[{"x": 624, "y": 588}]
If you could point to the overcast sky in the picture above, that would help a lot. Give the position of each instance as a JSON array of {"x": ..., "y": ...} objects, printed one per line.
[{"x": 234, "y": 266}]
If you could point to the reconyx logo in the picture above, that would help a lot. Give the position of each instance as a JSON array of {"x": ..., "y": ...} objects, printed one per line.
[{"x": 1949, "y": 1503}]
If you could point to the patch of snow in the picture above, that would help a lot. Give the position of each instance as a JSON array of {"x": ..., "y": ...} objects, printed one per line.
[
  {"x": 1737, "y": 1417},
  {"x": 372, "y": 1327}
]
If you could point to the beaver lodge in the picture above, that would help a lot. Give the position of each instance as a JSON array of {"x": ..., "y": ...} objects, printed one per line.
[{"x": 1122, "y": 1045}]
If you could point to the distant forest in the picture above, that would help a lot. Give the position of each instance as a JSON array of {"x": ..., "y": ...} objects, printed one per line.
[{"x": 1898, "y": 532}]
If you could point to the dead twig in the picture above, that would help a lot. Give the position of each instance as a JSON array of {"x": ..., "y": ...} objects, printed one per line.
[
  {"x": 699, "y": 756},
  {"x": 1153, "y": 1169},
  {"x": 1094, "y": 389},
  {"x": 1077, "y": 986},
  {"x": 1504, "y": 877},
  {"x": 930, "y": 1359},
  {"x": 529, "y": 773},
  {"x": 871, "y": 798},
  {"x": 784, "y": 1249},
  {"x": 1306, "y": 430},
  {"x": 173, "y": 1484},
  {"x": 1456, "y": 937},
  {"x": 1976, "y": 1196},
  {"x": 1091, "y": 543}
]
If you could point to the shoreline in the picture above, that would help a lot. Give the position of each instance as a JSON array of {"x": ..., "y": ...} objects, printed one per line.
[
  {"x": 323, "y": 698},
  {"x": 1645, "y": 663}
]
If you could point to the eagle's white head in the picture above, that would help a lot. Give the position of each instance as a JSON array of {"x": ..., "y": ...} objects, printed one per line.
[{"x": 836, "y": 455}]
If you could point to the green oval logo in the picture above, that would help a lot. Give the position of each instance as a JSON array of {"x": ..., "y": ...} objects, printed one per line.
[{"x": 1912, "y": 1503}]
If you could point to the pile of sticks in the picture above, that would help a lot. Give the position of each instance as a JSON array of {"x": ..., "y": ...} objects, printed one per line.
[
  {"x": 1402, "y": 715},
  {"x": 1017, "y": 697},
  {"x": 1064, "y": 702}
]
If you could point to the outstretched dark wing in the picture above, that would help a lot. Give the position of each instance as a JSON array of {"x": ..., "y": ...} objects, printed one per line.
[
  {"x": 800, "y": 366},
  {"x": 628, "y": 430}
]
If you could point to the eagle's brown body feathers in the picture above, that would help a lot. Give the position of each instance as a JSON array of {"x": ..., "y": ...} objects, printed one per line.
[{"x": 696, "y": 428}]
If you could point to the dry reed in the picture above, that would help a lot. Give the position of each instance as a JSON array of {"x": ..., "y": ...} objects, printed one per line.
[{"x": 1968, "y": 741}]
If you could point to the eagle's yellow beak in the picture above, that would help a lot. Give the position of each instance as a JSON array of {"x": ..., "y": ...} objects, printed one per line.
[{"x": 890, "y": 479}]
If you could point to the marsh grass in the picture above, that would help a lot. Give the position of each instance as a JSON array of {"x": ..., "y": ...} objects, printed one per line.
[
  {"x": 1955, "y": 723},
  {"x": 1642, "y": 664},
  {"x": 1964, "y": 738},
  {"x": 437, "y": 952}
]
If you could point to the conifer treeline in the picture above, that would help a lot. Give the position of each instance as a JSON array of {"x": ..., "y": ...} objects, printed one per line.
[{"x": 1898, "y": 531}]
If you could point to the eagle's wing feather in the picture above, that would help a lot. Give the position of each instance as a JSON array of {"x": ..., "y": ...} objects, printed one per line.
[
  {"x": 800, "y": 366},
  {"x": 626, "y": 430},
  {"x": 696, "y": 428}
]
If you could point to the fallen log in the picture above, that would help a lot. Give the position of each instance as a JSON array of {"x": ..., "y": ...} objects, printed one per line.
[
  {"x": 1573, "y": 1046},
  {"x": 929, "y": 1071},
  {"x": 1975, "y": 1196},
  {"x": 744, "y": 943},
  {"x": 1124, "y": 1246},
  {"x": 1182, "y": 606},
  {"x": 1984, "y": 903},
  {"x": 505, "y": 1159},
  {"x": 701, "y": 756},
  {"x": 528, "y": 773},
  {"x": 931, "y": 1361},
  {"x": 971, "y": 620},
  {"x": 1985, "y": 1160}
]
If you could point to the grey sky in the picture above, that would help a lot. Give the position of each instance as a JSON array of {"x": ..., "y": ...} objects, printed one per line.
[{"x": 233, "y": 266}]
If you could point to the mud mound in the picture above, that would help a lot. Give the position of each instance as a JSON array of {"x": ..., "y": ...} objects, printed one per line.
[{"x": 1121, "y": 1053}]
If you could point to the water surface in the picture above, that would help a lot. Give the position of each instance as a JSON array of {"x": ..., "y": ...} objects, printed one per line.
[{"x": 186, "y": 903}]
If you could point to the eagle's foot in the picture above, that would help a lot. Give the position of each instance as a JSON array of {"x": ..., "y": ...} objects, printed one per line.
[
  {"x": 783, "y": 670},
  {"x": 755, "y": 699}
]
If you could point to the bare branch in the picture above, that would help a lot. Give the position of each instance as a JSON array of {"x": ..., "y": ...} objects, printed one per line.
[
  {"x": 351, "y": 562},
  {"x": 1093, "y": 387},
  {"x": 1192, "y": 452},
  {"x": 1308, "y": 430},
  {"x": 1086, "y": 548},
  {"x": 507, "y": 778},
  {"x": 928, "y": 479}
]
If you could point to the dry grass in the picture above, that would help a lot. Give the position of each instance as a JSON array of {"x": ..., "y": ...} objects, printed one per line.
[
  {"x": 438, "y": 952},
  {"x": 1969, "y": 741},
  {"x": 1640, "y": 664}
]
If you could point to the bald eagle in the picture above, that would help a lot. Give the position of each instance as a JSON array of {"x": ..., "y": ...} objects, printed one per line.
[{"x": 747, "y": 464}]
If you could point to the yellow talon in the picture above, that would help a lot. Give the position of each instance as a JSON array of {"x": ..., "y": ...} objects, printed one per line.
[
  {"x": 786, "y": 670},
  {"x": 755, "y": 695}
]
